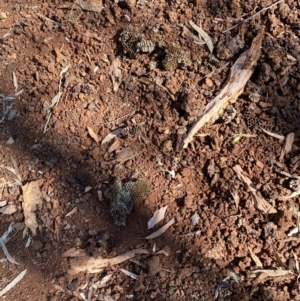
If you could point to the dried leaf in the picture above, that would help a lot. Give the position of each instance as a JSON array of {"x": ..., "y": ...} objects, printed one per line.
[
  {"x": 279, "y": 137},
  {"x": 259, "y": 203},
  {"x": 9, "y": 209},
  {"x": 13, "y": 283},
  {"x": 273, "y": 273},
  {"x": 293, "y": 232},
  {"x": 32, "y": 198},
  {"x": 74, "y": 210},
  {"x": 204, "y": 35},
  {"x": 93, "y": 134},
  {"x": 157, "y": 217},
  {"x": 162, "y": 230},
  {"x": 15, "y": 81},
  {"x": 17, "y": 171},
  {"x": 115, "y": 73},
  {"x": 114, "y": 146},
  {"x": 130, "y": 274},
  {"x": 111, "y": 135},
  {"x": 255, "y": 258},
  {"x": 195, "y": 219},
  {"x": 5, "y": 251}
]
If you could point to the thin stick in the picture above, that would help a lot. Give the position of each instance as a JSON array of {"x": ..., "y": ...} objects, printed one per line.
[{"x": 265, "y": 8}]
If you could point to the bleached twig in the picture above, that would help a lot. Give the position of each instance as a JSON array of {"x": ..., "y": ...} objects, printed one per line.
[{"x": 259, "y": 12}]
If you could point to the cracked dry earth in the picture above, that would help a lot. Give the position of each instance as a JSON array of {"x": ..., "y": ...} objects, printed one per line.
[{"x": 219, "y": 238}]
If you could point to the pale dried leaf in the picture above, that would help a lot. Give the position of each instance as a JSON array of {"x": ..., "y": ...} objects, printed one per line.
[
  {"x": 28, "y": 242},
  {"x": 74, "y": 210},
  {"x": 114, "y": 146},
  {"x": 258, "y": 202},
  {"x": 12, "y": 170},
  {"x": 279, "y": 137},
  {"x": 273, "y": 273},
  {"x": 115, "y": 73},
  {"x": 162, "y": 230},
  {"x": 93, "y": 134},
  {"x": 111, "y": 135},
  {"x": 6, "y": 253},
  {"x": 195, "y": 219},
  {"x": 105, "y": 279},
  {"x": 13, "y": 283},
  {"x": 32, "y": 198},
  {"x": 130, "y": 274},
  {"x": 17, "y": 171},
  {"x": 207, "y": 39},
  {"x": 293, "y": 232},
  {"x": 9, "y": 209},
  {"x": 15, "y": 81},
  {"x": 157, "y": 217},
  {"x": 73, "y": 252},
  {"x": 255, "y": 258}
]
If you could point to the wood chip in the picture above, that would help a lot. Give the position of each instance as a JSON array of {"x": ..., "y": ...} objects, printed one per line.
[{"x": 258, "y": 202}]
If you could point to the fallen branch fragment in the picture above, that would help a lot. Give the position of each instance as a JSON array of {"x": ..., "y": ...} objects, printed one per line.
[
  {"x": 251, "y": 17},
  {"x": 96, "y": 264},
  {"x": 239, "y": 76},
  {"x": 258, "y": 202}
]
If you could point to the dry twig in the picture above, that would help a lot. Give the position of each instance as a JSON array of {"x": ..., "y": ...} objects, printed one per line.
[{"x": 251, "y": 17}]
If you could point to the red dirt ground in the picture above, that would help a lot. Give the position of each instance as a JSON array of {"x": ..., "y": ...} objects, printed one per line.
[{"x": 214, "y": 261}]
